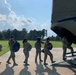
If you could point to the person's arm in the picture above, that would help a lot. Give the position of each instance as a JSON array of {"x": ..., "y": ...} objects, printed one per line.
[
  {"x": 42, "y": 42},
  {"x": 11, "y": 42}
]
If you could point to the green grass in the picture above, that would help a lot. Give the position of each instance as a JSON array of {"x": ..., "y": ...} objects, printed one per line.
[{"x": 5, "y": 48}]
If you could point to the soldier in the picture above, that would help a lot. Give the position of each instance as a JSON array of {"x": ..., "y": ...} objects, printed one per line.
[
  {"x": 47, "y": 52},
  {"x": 26, "y": 48},
  {"x": 0, "y": 49},
  {"x": 38, "y": 49},
  {"x": 12, "y": 53},
  {"x": 66, "y": 45}
]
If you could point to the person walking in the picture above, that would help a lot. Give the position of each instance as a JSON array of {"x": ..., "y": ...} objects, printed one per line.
[
  {"x": 47, "y": 51},
  {"x": 38, "y": 49},
  {"x": 0, "y": 49},
  {"x": 65, "y": 45},
  {"x": 26, "y": 48},
  {"x": 12, "y": 53}
]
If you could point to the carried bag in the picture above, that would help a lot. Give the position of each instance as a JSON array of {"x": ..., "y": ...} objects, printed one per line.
[
  {"x": 16, "y": 46},
  {"x": 29, "y": 47},
  {"x": 42, "y": 50},
  {"x": 50, "y": 46}
]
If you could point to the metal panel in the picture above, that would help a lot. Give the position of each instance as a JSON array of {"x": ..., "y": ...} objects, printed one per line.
[{"x": 64, "y": 18}]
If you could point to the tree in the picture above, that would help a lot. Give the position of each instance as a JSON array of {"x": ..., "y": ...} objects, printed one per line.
[
  {"x": 57, "y": 38},
  {"x": 52, "y": 38},
  {"x": 6, "y": 33},
  {"x": 44, "y": 33},
  {"x": 20, "y": 35},
  {"x": 1, "y": 36},
  {"x": 23, "y": 34}
]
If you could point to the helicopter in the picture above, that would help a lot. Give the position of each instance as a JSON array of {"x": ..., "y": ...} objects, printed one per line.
[{"x": 63, "y": 20}]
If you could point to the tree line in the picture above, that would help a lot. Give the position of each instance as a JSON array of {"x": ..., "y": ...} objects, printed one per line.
[{"x": 20, "y": 35}]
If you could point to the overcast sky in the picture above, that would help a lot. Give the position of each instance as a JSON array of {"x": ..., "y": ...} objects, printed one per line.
[{"x": 29, "y": 14}]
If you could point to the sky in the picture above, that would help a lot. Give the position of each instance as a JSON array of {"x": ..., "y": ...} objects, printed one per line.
[{"x": 29, "y": 14}]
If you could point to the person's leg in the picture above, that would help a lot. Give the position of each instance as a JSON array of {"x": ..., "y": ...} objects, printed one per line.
[
  {"x": 51, "y": 56},
  {"x": 45, "y": 57},
  {"x": 72, "y": 50},
  {"x": 24, "y": 55},
  {"x": 8, "y": 61},
  {"x": 64, "y": 53},
  {"x": 36, "y": 56},
  {"x": 13, "y": 58},
  {"x": 26, "y": 60},
  {"x": 40, "y": 55}
]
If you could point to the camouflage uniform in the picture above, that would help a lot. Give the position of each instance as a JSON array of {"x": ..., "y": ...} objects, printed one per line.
[
  {"x": 66, "y": 45},
  {"x": 26, "y": 48},
  {"x": 38, "y": 50},
  {"x": 47, "y": 52},
  {"x": 12, "y": 53},
  {"x": 0, "y": 47}
]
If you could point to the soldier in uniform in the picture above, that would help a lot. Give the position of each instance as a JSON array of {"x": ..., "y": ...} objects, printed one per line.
[
  {"x": 38, "y": 49},
  {"x": 47, "y": 52},
  {"x": 26, "y": 48},
  {"x": 12, "y": 53},
  {"x": 0, "y": 49},
  {"x": 66, "y": 45}
]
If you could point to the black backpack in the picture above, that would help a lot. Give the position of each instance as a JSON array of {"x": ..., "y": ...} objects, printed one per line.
[
  {"x": 50, "y": 46},
  {"x": 16, "y": 46}
]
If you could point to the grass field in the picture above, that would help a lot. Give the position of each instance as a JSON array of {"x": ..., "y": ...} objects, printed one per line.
[{"x": 5, "y": 48}]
